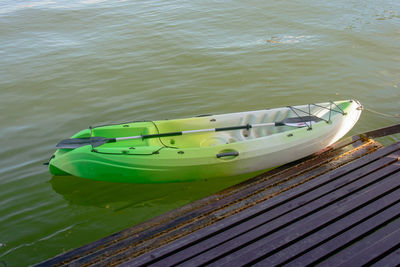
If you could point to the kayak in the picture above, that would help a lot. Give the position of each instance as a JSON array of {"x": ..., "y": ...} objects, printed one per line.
[{"x": 203, "y": 147}]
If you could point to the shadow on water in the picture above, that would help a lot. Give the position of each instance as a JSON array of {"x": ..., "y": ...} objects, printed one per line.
[{"x": 80, "y": 191}]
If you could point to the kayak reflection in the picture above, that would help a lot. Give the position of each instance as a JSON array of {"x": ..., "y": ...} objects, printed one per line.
[{"x": 118, "y": 196}]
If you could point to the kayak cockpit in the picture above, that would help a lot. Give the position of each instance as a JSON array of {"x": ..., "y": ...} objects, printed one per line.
[{"x": 211, "y": 138}]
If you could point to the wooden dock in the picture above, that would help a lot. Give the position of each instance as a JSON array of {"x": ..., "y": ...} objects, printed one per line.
[{"x": 337, "y": 207}]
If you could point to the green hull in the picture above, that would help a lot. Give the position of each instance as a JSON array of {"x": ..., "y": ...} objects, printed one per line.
[{"x": 194, "y": 156}]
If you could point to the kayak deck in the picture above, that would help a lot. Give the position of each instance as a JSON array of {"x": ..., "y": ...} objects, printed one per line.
[{"x": 205, "y": 139}]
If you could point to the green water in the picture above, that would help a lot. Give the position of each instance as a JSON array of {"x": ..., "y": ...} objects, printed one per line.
[{"x": 65, "y": 65}]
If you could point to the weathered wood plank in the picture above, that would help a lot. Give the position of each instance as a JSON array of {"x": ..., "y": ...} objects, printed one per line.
[
  {"x": 323, "y": 250},
  {"x": 394, "y": 129},
  {"x": 339, "y": 233},
  {"x": 368, "y": 248},
  {"x": 392, "y": 259},
  {"x": 263, "y": 241}
]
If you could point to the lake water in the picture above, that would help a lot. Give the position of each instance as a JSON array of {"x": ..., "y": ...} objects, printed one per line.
[{"x": 66, "y": 65}]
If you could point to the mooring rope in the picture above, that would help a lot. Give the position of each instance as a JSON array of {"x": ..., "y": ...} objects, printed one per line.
[{"x": 382, "y": 114}]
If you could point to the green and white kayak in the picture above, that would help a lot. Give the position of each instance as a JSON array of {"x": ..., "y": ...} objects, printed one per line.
[{"x": 203, "y": 147}]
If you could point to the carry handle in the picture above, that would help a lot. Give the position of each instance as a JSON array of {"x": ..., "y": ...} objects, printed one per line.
[{"x": 227, "y": 154}]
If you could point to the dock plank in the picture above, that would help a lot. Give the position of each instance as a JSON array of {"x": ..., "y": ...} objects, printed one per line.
[
  {"x": 342, "y": 231},
  {"x": 391, "y": 259},
  {"x": 271, "y": 237},
  {"x": 368, "y": 248}
]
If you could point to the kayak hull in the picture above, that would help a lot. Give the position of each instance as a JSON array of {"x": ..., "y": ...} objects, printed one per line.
[{"x": 204, "y": 155}]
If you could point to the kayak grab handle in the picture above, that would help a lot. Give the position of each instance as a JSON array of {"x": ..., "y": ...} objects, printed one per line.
[{"x": 227, "y": 154}]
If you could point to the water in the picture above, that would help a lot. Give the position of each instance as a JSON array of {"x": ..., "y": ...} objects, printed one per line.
[{"x": 65, "y": 65}]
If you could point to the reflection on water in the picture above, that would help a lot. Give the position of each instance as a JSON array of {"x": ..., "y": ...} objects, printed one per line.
[{"x": 120, "y": 196}]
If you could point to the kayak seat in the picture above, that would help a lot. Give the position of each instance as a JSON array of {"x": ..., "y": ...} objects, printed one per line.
[
  {"x": 257, "y": 132},
  {"x": 199, "y": 140},
  {"x": 219, "y": 139},
  {"x": 125, "y": 130}
]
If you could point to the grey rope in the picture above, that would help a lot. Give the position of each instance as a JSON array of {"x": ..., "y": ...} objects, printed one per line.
[{"x": 382, "y": 114}]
